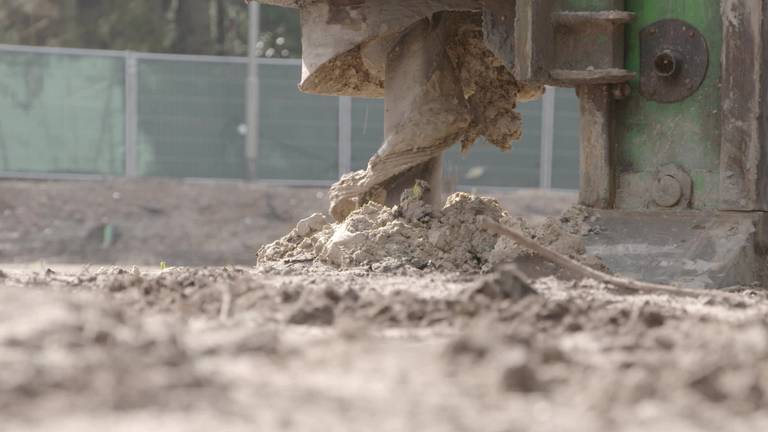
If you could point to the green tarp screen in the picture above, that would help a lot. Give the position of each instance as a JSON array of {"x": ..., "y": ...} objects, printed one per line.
[
  {"x": 298, "y": 133},
  {"x": 565, "y": 154},
  {"x": 191, "y": 119},
  {"x": 367, "y": 130},
  {"x": 192, "y": 122},
  {"x": 65, "y": 113},
  {"x": 61, "y": 113}
]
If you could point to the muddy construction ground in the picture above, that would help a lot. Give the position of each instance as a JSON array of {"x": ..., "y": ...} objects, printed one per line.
[{"x": 307, "y": 347}]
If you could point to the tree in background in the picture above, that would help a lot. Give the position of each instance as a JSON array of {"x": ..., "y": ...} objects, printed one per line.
[
  {"x": 280, "y": 33},
  {"x": 31, "y": 22},
  {"x": 214, "y": 27}
]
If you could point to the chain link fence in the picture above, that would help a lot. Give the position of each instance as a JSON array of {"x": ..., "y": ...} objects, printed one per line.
[{"x": 71, "y": 113}]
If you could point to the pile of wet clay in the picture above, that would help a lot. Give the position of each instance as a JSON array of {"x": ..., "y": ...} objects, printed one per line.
[{"x": 414, "y": 234}]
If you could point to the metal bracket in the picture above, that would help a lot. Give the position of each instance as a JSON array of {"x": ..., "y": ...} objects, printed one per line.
[{"x": 674, "y": 58}]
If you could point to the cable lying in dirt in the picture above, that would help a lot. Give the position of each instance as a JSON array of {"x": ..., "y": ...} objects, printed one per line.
[{"x": 597, "y": 275}]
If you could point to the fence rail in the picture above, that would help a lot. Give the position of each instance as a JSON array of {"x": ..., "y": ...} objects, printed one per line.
[{"x": 80, "y": 113}]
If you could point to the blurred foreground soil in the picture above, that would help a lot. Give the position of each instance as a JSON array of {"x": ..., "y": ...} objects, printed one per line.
[{"x": 311, "y": 349}]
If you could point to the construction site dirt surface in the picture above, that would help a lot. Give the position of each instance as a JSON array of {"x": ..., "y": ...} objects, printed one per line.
[
  {"x": 309, "y": 345},
  {"x": 189, "y": 223},
  {"x": 305, "y": 349}
]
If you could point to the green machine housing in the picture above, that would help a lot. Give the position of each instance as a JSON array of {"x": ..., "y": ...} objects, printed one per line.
[{"x": 674, "y": 161}]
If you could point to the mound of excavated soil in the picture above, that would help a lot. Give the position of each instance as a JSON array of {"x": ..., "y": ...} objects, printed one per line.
[{"x": 414, "y": 234}]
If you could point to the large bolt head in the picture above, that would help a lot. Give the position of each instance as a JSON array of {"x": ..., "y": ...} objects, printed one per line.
[
  {"x": 667, "y": 191},
  {"x": 667, "y": 63}
]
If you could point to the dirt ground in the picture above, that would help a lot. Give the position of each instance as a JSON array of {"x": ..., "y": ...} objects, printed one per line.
[
  {"x": 300, "y": 347},
  {"x": 181, "y": 223},
  {"x": 177, "y": 222}
]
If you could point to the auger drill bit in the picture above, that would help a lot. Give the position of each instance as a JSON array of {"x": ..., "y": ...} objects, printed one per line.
[
  {"x": 440, "y": 82},
  {"x": 424, "y": 113}
]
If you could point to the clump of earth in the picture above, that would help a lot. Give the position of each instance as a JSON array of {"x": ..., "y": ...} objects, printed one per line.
[{"x": 415, "y": 234}]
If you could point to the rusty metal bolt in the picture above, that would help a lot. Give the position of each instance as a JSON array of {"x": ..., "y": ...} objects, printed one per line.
[
  {"x": 620, "y": 91},
  {"x": 667, "y": 191},
  {"x": 667, "y": 63},
  {"x": 672, "y": 187}
]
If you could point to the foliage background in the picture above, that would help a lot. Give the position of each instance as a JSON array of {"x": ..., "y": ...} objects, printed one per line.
[{"x": 214, "y": 27}]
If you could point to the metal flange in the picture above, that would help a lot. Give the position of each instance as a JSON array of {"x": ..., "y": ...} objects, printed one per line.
[{"x": 674, "y": 58}]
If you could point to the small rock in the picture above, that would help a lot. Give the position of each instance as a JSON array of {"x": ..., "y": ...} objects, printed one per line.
[
  {"x": 521, "y": 378},
  {"x": 508, "y": 283},
  {"x": 709, "y": 386},
  {"x": 652, "y": 318},
  {"x": 665, "y": 342},
  {"x": 553, "y": 311},
  {"x": 290, "y": 294},
  {"x": 468, "y": 346},
  {"x": 122, "y": 282},
  {"x": 313, "y": 309},
  {"x": 311, "y": 224}
]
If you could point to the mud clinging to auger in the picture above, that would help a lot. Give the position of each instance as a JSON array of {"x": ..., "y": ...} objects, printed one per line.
[{"x": 441, "y": 84}]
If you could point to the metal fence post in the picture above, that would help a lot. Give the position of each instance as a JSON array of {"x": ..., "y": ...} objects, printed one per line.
[
  {"x": 547, "y": 137},
  {"x": 252, "y": 99},
  {"x": 131, "y": 114},
  {"x": 345, "y": 135}
]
